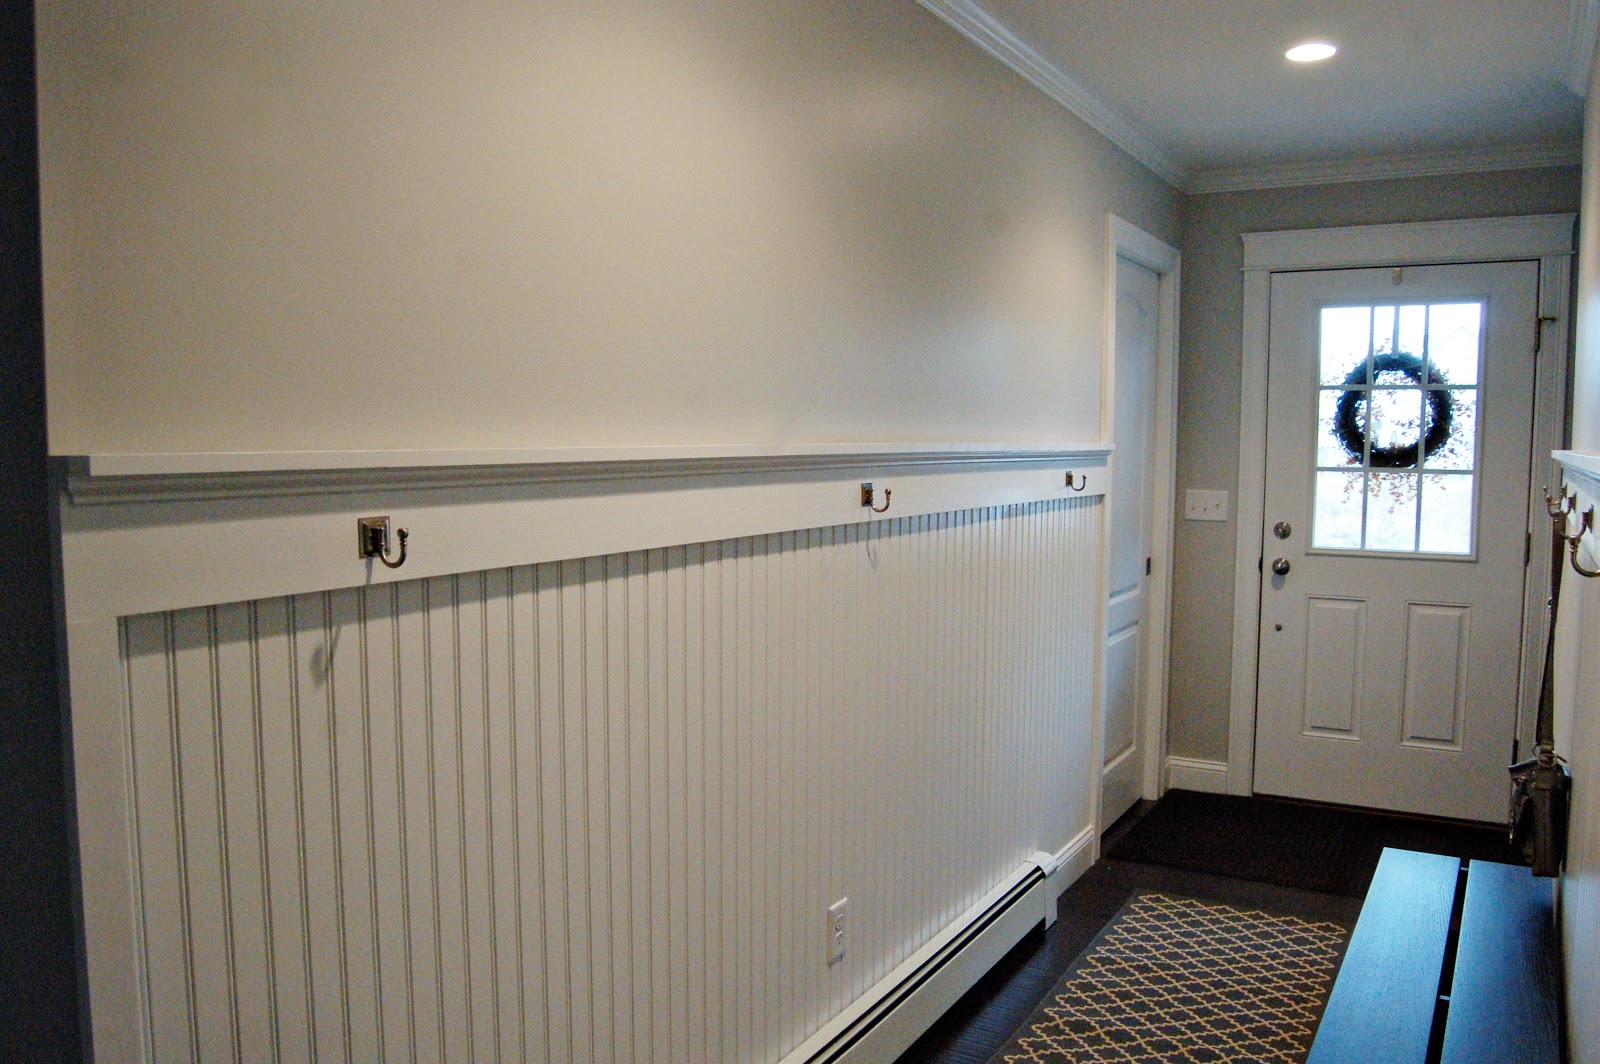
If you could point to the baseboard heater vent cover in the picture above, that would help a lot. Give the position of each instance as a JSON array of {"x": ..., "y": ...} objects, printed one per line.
[{"x": 885, "y": 1021}]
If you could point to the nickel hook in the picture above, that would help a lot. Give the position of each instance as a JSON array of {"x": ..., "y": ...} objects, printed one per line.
[{"x": 372, "y": 536}]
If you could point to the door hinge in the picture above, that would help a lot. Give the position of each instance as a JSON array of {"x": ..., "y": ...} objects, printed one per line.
[
  {"x": 1516, "y": 751},
  {"x": 1538, "y": 334},
  {"x": 1147, "y": 567},
  {"x": 1527, "y": 549},
  {"x": 1259, "y": 563}
]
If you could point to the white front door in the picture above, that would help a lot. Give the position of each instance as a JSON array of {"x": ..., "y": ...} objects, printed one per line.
[
  {"x": 1399, "y": 423},
  {"x": 1128, "y": 536}
]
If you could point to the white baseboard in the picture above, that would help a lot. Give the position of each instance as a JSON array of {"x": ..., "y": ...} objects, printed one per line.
[
  {"x": 1063, "y": 868},
  {"x": 1194, "y": 774}
]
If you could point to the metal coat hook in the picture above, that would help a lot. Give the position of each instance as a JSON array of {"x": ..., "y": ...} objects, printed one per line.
[
  {"x": 1585, "y": 525},
  {"x": 1082, "y": 482},
  {"x": 1560, "y": 515},
  {"x": 867, "y": 496},
  {"x": 372, "y": 540}
]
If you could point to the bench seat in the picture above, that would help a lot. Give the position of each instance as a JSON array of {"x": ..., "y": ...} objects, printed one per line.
[{"x": 1448, "y": 962}]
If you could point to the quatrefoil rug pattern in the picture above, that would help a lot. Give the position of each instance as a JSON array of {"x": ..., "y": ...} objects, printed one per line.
[{"x": 1177, "y": 981}]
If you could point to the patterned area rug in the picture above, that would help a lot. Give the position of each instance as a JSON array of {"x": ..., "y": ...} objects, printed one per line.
[{"x": 1174, "y": 980}]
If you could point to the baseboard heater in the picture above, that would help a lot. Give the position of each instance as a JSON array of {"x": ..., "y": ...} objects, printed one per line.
[{"x": 885, "y": 1021}]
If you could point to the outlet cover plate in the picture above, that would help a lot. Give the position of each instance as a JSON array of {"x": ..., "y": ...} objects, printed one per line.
[{"x": 837, "y": 913}]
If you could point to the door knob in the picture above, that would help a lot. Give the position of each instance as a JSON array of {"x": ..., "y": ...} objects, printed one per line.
[{"x": 1280, "y": 566}]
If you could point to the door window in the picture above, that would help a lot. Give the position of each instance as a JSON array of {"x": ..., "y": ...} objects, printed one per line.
[{"x": 1396, "y": 447}]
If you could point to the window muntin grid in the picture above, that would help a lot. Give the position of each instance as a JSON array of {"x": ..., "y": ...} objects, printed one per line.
[{"x": 1389, "y": 375}]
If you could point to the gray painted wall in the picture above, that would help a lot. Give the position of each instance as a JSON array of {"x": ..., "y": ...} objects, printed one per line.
[
  {"x": 621, "y": 223},
  {"x": 1208, "y": 390}
]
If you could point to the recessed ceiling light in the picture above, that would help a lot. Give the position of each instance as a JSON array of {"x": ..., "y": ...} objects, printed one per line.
[{"x": 1310, "y": 52}]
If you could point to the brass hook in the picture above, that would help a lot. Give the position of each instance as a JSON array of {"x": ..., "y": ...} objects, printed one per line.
[
  {"x": 1568, "y": 503},
  {"x": 1586, "y": 525},
  {"x": 372, "y": 536},
  {"x": 866, "y": 498},
  {"x": 1083, "y": 481}
]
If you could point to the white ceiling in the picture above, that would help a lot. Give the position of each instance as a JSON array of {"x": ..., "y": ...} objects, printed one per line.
[{"x": 1200, "y": 89}]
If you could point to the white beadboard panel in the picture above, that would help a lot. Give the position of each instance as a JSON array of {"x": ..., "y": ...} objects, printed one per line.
[{"x": 594, "y": 809}]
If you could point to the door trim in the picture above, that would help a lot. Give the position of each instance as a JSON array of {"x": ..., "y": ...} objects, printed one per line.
[
  {"x": 1128, "y": 241},
  {"x": 1545, "y": 237}
]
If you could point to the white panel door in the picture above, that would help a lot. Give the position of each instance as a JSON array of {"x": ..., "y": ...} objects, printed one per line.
[
  {"x": 1398, "y": 448},
  {"x": 1128, "y": 536}
]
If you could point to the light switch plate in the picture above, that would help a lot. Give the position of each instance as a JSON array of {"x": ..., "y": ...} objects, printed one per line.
[{"x": 1204, "y": 505}]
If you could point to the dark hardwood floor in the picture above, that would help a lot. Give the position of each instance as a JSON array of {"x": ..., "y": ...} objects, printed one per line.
[{"x": 983, "y": 1020}]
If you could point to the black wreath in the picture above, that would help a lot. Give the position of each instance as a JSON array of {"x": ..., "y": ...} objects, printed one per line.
[{"x": 1352, "y": 437}]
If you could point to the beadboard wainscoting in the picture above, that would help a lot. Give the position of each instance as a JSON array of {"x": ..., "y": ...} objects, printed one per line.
[{"x": 587, "y": 808}]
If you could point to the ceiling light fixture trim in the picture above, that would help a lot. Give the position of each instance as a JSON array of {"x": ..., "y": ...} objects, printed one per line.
[{"x": 1311, "y": 52}]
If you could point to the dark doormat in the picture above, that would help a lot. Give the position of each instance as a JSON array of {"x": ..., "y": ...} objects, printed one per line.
[
  {"x": 1309, "y": 847},
  {"x": 1177, "y": 981}
]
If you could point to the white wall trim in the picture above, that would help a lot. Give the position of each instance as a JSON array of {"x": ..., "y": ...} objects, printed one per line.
[
  {"x": 1126, "y": 240},
  {"x": 1583, "y": 32},
  {"x": 989, "y": 33},
  {"x": 104, "y": 479},
  {"x": 1582, "y": 467},
  {"x": 1197, "y": 774},
  {"x": 1387, "y": 167},
  {"x": 1547, "y": 238},
  {"x": 1459, "y": 240},
  {"x": 1074, "y": 858},
  {"x": 1063, "y": 868},
  {"x": 570, "y": 461},
  {"x": 174, "y": 551}
]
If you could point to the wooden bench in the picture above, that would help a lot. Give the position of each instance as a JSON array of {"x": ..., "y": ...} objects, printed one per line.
[{"x": 1449, "y": 962}]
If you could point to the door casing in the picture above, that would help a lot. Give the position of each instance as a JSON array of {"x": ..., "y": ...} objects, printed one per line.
[{"x": 1547, "y": 238}]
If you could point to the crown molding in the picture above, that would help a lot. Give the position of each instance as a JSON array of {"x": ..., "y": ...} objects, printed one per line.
[
  {"x": 1386, "y": 167},
  {"x": 988, "y": 33},
  {"x": 1583, "y": 32}
]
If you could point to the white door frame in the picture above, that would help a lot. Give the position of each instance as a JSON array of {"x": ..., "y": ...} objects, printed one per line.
[
  {"x": 1547, "y": 238},
  {"x": 1128, "y": 241}
]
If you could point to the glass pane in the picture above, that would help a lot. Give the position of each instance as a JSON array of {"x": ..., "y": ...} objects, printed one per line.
[
  {"x": 1453, "y": 334},
  {"x": 1413, "y": 324},
  {"x": 1330, "y": 450},
  {"x": 1337, "y": 522},
  {"x": 1459, "y": 446},
  {"x": 1392, "y": 511},
  {"x": 1345, "y": 335},
  {"x": 1446, "y": 513},
  {"x": 1382, "y": 330},
  {"x": 1394, "y": 427}
]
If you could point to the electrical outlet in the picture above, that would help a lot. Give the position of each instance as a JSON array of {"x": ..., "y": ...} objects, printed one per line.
[
  {"x": 836, "y": 928},
  {"x": 1201, "y": 505}
]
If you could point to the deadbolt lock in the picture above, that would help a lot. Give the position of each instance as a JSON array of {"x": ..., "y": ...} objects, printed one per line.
[{"x": 1283, "y": 530}]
